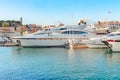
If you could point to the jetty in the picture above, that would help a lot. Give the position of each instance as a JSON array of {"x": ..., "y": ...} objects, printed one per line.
[{"x": 75, "y": 45}]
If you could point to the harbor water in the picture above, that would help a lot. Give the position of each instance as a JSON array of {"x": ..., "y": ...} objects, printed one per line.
[{"x": 58, "y": 64}]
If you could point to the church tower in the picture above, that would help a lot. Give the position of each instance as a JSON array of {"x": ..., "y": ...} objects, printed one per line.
[{"x": 21, "y": 20}]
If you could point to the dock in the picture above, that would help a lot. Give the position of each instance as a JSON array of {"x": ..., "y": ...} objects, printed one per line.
[
  {"x": 75, "y": 46},
  {"x": 79, "y": 45},
  {"x": 9, "y": 44}
]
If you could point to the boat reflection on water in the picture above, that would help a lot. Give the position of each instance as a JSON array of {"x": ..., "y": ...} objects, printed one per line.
[
  {"x": 67, "y": 56},
  {"x": 58, "y": 63},
  {"x": 113, "y": 57},
  {"x": 69, "y": 52}
]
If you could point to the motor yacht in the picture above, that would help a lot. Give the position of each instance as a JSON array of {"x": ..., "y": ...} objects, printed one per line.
[
  {"x": 95, "y": 43},
  {"x": 52, "y": 39},
  {"x": 113, "y": 41}
]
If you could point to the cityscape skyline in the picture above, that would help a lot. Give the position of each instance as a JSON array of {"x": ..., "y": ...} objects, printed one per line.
[{"x": 54, "y": 11}]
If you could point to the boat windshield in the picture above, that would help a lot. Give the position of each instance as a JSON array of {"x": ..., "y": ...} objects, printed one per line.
[
  {"x": 74, "y": 32},
  {"x": 63, "y": 29},
  {"x": 118, "y": 34}
]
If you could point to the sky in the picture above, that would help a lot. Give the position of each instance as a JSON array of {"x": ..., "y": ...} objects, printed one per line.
[{"x": 55, "y": 11}]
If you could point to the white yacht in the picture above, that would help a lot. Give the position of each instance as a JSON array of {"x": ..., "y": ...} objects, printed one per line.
[
  {"x": 94, "y": 43},
  {"x": 113, "y": 41},
  {"x": 103, "y": 41},
  {"x": 52, "y": 39}
]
